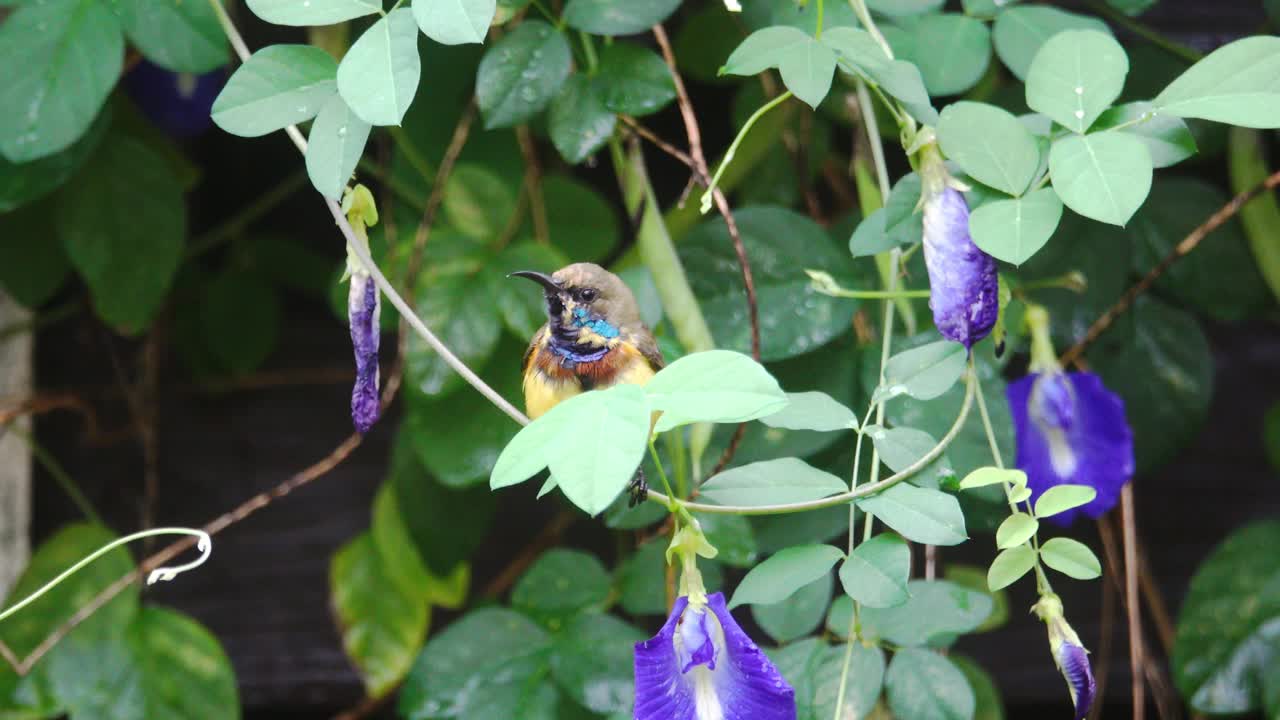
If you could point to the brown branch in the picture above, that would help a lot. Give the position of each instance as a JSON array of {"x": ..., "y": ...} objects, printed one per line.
[
  {"x": 1102, "y": 656},
  {"x": 1189, "y": 243},
  {"x": 40, "y": 404},
  {"x": 666, "y": 147},
  {"x": 1134, "y": 605},
  {"x": 533, "y": 185}
]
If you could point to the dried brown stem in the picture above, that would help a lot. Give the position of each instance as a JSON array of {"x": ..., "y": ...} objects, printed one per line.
[
  {"x": 666, "y": 147},
  {"x": 533, "y": 185},
  {"x": 40, "y": 404},
  {"x": 1132, "y": 602}
]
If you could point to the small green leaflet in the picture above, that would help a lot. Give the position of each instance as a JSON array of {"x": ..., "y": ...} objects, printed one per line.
[
  {"x": 617, "y": 17},
  {"x": 919, "y": 514},
  {"x": 379, "y": 74},
  {"x": 278, "y": 86},
  {"x": 784, "y": 572},
  {"x": 1071, "y": 558},
  {"x": 1010, "y": 565},
  {"x": 312, "y": 12},
  {"x": 579, "y": 123},
  {"x": 876, "y": 572},
  {"x": 856, "y": 52},
  {"x": 992, "y": 476},
  {"x": 769, "y": 482},
  {"x": 1167, "y": 138},
  {"x": 1016, "y": 530},
  {"x": 1238, "y": 83},
  {"x": 952, "y": 52},
  {"x": 990, "y": 145},
  {"x": 1075, "y": 77},
  {"x": 334, "y": 146},
  {"x": 924, "y": 372},
  {"x": 806, "y": 64},
  {"x": 1013, "y": 230},
  {"x": 812, "y": 410},
  {"x": 923, "y": 685},
  {"x": 521, "y": 73},
  {"x": 1105, "y": 176},
  {"x": 1019, "y": 32},
  {"x": 178, "y": 36},
  {"x": 718, "y": 386},
  {"x": 454, "y": 22},
  {"x": 1061, "y": 498}
]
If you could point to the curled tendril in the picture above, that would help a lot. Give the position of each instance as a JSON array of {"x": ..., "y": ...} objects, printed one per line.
[{"x": 203, "y": 543}]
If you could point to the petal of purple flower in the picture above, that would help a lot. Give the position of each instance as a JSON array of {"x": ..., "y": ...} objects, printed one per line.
[
  {"x": 734, "y": 681},
  {"x": 1074, "y": 663},
  {"x": 362, "y": 311},
  {"x": 1071, "y": 430},
  {"x": 963, "y": 288}
]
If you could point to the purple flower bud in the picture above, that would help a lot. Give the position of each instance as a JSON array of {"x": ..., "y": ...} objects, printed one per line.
[
  {"x": 1073, "y": 660},
  {"x": 963, "y": 288},
  {"x": 362, "y": 311},
  {"x": 702, "y": 666}
]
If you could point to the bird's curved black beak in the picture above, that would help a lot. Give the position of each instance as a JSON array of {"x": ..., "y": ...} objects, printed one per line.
[{"x": 546, "y": 281}]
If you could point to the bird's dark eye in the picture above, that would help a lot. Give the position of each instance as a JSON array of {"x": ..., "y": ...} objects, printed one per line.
[{"x": 587, "y": 294}]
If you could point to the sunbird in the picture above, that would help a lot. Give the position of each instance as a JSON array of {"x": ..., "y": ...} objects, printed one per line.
[{"x": 593, "y": 339}]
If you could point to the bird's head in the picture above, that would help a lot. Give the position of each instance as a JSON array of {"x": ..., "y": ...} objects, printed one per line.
[{"x": 586, "y": 302}]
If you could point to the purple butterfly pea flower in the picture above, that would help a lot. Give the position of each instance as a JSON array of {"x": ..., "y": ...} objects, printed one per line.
[
  {"x": 702, "y": 666},
  {"x": 1071, "y": 430},
  {"x": 1069, "y": 654},
  {"x": 362, "y": 311},
  {"x": 963, "y": 287}
]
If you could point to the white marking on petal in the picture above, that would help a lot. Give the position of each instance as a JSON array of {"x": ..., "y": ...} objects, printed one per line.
[{"x": 1061, "y": 455}]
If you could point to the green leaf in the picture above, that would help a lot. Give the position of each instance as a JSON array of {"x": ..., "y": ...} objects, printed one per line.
[
  {"x": 923, "y": 372},
  {"x": 617, "y": 17},
  {"x": 312, "y": 12},
  {"x": 1162, "y": 368},
  {"x": 122, "y": 222},
  {"x": 799, "y": 614},
  {"x": 33, "y": 265},
  {"x": 936, "y": 612},
  {"x": 531, "y": 449},
  {"x": 923, "y": 685},
  {"x": 176, "y": 35},
  {"x": 975, "y": 578},
  {"x": 1105, "y": 176},
  {"x": 633, "y": 80},
  {"x": 812, "y": 410},
  {"x": 918, "y": 514},
  {"x": 1224, "y": 646},
  {"x": 990, "y": 145},
  {"x": 559, "y": 585},
  {"x": 993, "y": 476},
  {"x": 379, "y": 74},
  {"x": 179, "y": 669},
  {"x": 901, "y": 447},
  {"x": 1220, "y": 279},
  {"x": 455, "y": 22},
  {"x": 639, "y": 579},
  {"x": 779, "y": 242},
  {"x": 901, "y": 8},
  {"x": 334, "y": 146},
  {"x": 521, "y": 73},
  {"x": 987, "y": 695},
  {"x": 592, "y": 661},
  {"x": 70, "y": 53},
  {"x": 862, "y": 683},
  {"x": 1020, "y": 32},
  {"x": 771, "y": 482},
  {"x": 1167, "y": 137},
  {"x": 1071, "y": 558},
  {"x": 1075, "y": 76},
  {"x": 876, "y": 572},
  {"x": 1239, "y": 84},
  {"x": 579, "y": 123},
  {"x": 1061, "y": 498},
  {"x": 478, "y": 202},
  {"x": 239, "y": 315},
  {"x": 593, "y": 464},
  {"x": 400, "y": 559},
  {"x": 382, "y": 625},
  {"x": 775, "y": 579},
  {"x": 871, "y": 238},
  {"x": 952, "y": 51},
  {"x": 462, "y": 315},
  {"x": 27, "y": 182},
  {"x": 486, "y": 665},
  {"x": 985, "y": 9},
  {"x": 713, "y": 386},
  {"x": 733, "y": 538},
  {"x": 857, "y": 53},
  {"x": 582, "y": 224},
  {"x": 1016, "y": 530},
  {"x": 277, "y": 86},
  {"x": 805, "y": 63},
  {"x": 1014, "y": 230}
]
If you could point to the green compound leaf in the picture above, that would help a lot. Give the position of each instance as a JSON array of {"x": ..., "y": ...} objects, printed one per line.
[
  {"x": 521, "y": 73},
  {"x": 783, "y": 573},
  {"x": 593, "y": 464},
  {"x": 876, "y": 572},
  {"x": 25, "y": 183},
  {"x": 813, "y": 410},
  {"x": 771, "y": 482},
  {"x": 561, "y": 584},
  {"x": 579, "y": 123},
  {"x": 923, "y": 372},
  {"x": 923, "y": 685},
  {"x": 1016, "y": 530},
  {"x": 592, "y": 661},
  {"x": 1061, "y": 498},
  {"x": 1020, "y": 32},
  {"x": 1104, "y": 176},
  {"x": 806, "y": 64},
  {"x": 312, "y": 12},
  {"x": 478, "y": 202},
  {"x": 857, "y": 53},
  {"x": 798, "y": 615},
  {"x": 1167, "y": 138},
  {"x": 490, "y": 664},
  {"x": 952, "y": 51},
  {"x": 633, "y": 80},
  {"x": 918, "y": 514},
  {"x": 277, "y": 86},
  {"x": 70, "y": 53},
  {"x": 334, "y": 146},
  {"x": 1075, "y": 76},
  {"x": 617, "y": 17},
  {"x": 1071, "y": 558},
  {"x": 122, "y": 223},
  {"x": 455, "y": 22},
  {"x": 990, "y": 145},
  {"x": 176, "y": 35},
  {"x": 1224, "y": 649},
  {"x": 383, "y": 625},
  {"x": 1010, "y": 565},
  {"x": 379, "y": 74},
  {"x": 1014, "y": 230},
  {"x": 719, "y": 386},
  {"x": 1238, "y": 84}
]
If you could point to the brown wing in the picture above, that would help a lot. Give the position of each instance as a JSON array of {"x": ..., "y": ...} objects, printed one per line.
[
  {"x": 648, "y": 347},
  {"x": 528, "y": 352}
]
